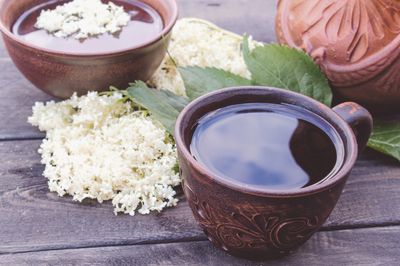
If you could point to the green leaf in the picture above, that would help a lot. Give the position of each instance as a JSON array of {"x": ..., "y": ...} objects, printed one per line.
[
  {"x": 385, "y": 138},
  {"x": 163, "y": 105},
  {"x": 199, "y": 81},
  {"x": 283, "y": 67},
  {"x": 177, "y": 102}
]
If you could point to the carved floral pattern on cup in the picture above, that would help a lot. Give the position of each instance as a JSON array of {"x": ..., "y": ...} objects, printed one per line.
[{"x": 247, "y": 227}]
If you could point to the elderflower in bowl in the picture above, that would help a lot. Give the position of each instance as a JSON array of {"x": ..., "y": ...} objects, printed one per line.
[{"x": 64, "y": 47}]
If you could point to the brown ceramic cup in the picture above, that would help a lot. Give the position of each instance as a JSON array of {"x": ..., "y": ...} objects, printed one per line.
[
  {"x": 254, "y": 222},
  {"x": 61, "y": 74}
]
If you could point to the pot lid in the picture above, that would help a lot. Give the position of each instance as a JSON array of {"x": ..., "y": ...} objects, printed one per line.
[{"x": 343, "y": 32}]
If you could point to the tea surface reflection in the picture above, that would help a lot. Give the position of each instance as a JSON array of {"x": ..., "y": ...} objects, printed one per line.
[{"x": 274, "y": 146}]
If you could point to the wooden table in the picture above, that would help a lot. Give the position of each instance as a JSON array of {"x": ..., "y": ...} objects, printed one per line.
[{"x": 38, "y": 227}]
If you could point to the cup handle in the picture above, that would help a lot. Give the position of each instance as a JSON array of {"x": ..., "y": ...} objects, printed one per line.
[{"x": 359, "y": 119}]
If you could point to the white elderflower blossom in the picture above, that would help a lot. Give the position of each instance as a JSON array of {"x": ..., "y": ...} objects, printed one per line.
[
  {"x": 97, "y": 147},
  {"x": 83, "y": 18},
  {"x": 196, "y": 42}
]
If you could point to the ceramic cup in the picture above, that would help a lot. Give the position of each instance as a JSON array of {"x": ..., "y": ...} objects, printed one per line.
[{"x": 254, "y": 222}]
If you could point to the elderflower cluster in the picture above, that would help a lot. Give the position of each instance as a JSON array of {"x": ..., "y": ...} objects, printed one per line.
[
  {"x": 98, "y": 147},
  {"x": 83, "y": 18},
  {"x": 196, "y": 42}
]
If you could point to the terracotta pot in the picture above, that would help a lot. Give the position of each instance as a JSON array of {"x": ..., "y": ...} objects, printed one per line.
[
  {"x": 356, "y": 43},
  {"x": 255, "y": 222},
  {"x": 61, "y": 74}
]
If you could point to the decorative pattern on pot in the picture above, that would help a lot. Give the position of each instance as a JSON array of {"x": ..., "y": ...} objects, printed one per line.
[{"x": 356, "y": 42}]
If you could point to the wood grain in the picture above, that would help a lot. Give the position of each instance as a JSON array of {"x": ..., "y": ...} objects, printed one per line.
[
  {"x": 374, "y": 246},
  {"x": 254, "y": 17},
  {"x": 3, "y": 52},
  {"x": 17, "y": 97},
  {"x": 32, "y": 218},
  {"x": 46, "y": 221}
]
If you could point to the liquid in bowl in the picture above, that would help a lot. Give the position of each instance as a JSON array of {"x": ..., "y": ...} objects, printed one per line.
[{"x": 145, "y": 24}]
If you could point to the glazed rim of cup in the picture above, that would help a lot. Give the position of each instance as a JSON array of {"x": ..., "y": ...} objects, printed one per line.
[
  {"x": 350, "y": 148},
  {"x": 166, "y": 29}
]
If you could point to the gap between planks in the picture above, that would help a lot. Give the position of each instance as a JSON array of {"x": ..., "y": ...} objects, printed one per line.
[
  {"x": 143, "y": 243},
  {"x": 28, "y": 138}
]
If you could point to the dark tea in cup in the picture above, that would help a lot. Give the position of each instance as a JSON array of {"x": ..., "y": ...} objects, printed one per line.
[{"x": 279, "y": 147}]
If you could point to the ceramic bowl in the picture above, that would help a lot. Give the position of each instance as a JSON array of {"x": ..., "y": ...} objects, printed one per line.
[{"x": 61, "y": 74}]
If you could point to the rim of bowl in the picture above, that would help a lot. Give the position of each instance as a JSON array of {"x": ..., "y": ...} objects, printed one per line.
[
  {"x": 166, "y": 29},
  {"x": 350, "y": 150}
]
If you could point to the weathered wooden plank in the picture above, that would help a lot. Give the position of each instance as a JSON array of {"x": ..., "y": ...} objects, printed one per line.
[
  {"x": 3, "y": 52},
  {"x": 374, "y": 246},
  {"x": 17, "y": 95},
  {"x": 254, "y": 17},
  {"x": 31, "y": 218},
  {"x": 369, "y": 197}
]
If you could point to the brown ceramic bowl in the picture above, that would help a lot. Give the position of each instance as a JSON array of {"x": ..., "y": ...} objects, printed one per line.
[
  {"x": 255, "y": 222},
  {"x": 61, "y": 74}
]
